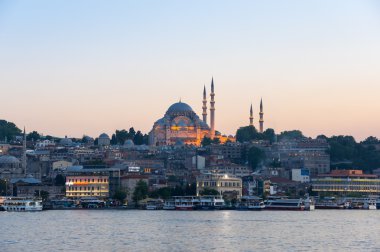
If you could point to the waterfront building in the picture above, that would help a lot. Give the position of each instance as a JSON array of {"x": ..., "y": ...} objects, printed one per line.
[
  {"x": 80, "y": 186},
  {"x": 223, "y": 183},
  {"x": 346, "y": 181},
  {"x": 92, "y": 182}
]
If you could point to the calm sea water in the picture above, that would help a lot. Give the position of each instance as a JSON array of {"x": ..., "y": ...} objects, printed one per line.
[{"x": 134, "y": 230}]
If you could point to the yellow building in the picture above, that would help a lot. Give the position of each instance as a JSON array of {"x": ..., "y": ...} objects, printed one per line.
[
  {"x": 223, "y": 183},
  {"x": 87, "y": 186}
]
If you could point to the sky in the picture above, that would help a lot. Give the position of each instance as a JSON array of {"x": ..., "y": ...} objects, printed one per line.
[{"x": 87, "y": 67}]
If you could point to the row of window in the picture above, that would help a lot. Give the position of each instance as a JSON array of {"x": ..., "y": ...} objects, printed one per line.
[
  {"x": 87, "y": 180},
  {"x": 225, "y": 184},
  {"x": 85, "y": 188},
  {"x": 86, "y": 194}
]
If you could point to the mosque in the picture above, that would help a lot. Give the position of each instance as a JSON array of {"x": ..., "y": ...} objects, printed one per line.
[{"x": 181, "y": 125}]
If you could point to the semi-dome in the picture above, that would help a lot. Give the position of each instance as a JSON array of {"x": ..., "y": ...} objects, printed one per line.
[
  {"x": 7, "y": 159},
  {"x": 179, "y": 107}
]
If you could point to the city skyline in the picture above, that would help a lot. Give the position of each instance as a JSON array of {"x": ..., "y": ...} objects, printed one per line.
[{"x": 70, "y": 68}]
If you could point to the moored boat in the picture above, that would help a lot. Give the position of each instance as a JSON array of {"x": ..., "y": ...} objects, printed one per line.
[
  {"x": 169, "y": 205},
  {"x": 185, "y": 202},
  {"x": 210, "y": 202},
  {"x": 22, "y": 204},
  {"x": 285, "y": 204},
  {"x": 250, "y": 203}
]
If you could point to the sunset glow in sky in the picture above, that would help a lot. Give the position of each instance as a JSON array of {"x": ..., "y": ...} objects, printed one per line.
[{"x": 88, "y": 67}]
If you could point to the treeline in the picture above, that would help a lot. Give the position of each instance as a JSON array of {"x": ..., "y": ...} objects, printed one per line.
[
  {"x": 138, "y": 138},
  {"x": 344, "y": 151}
]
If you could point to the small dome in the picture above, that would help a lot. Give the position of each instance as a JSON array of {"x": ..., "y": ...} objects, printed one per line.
[
  {"x": 104, "y": 135},
  {"x": 128, "y": 143},
  {"x": 66, "y": 141},
  {"x": 179, "y": 107},
  {"x": 7, "y": 159}
]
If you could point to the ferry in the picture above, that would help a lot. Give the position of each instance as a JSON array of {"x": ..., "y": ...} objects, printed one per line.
[
  {"x": 285, "y": 204},
  {"x": 330, "y": 203},
  {"x": 250, "y": 203},
  {"x": 210, "y": 202},
  {"x": 169, "y": 205},
  {"x": 22, "y": 204},
  {"x": 154, "y": 205},
  {"x": 186, "y": 202}
]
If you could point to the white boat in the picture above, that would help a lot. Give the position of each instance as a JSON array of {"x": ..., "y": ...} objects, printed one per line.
[
  {"x": 285, "y": 204},
  {"x": 210, "y": 202},
  {"x": 154, "y": 205},
  {"x": 18, "y": 204},
  {"x": 169, "y": 205},
  {"x": 370, "y": 204},
  {"x": 185, "y": 202},
  {"x": 250, "y": 203},
  {"x": 309, "y": 204}
]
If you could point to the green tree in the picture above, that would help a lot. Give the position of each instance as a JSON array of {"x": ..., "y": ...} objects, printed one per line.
[
  {"x": 131, "y": 133},
  {"x": 8, "y": 130},
  {"x": 138, "y": 138},
  {"x": 209, "y": 191},
  {"x": 141, "y": 191},
  {"x": 206, "y": 141},
  {"x": 216, "y": 140},
  {"x": 255, "y": 157},
  {"x": 3, "y": 187},
  {"x": 121, "y": 136},
  {"x": 290, "y": 135},
  {"x": 247, "y": 134},
  {"x": 120, "y": 195},
  {"x": 33, "y": 136},
  {"x": 59, "y": 180},
  {"x": 269, "y": 134},
  {"x": 41, "y": 193},
  {"x": 371, "y": 140}
]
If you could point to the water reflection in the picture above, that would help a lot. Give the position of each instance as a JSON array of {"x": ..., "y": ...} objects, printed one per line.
[{"x": 189, "y": 231}]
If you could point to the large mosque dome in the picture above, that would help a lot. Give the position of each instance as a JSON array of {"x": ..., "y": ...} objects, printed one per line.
[
  {"x": 179, "y": 124},
  {"x": 179, "y": 107}
]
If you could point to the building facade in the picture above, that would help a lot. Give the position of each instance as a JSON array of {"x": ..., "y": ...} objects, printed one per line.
[
  {"x": 223, "y": 183},
  {"x": 346, "y": 181}
]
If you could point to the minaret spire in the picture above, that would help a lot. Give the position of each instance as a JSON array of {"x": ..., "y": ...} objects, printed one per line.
[
  {"x": 251, "y": 116},
  {"x": 204, "y": 107},
  {"x": 212, "y": 110},
  {"x": 23, "y": 163},
  {"x": 261, "y": 116}
]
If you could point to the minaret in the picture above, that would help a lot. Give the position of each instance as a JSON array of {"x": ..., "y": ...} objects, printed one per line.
[
  {"x": 24, "y": 153},
  {"x": 204, "y": 107},
  {"x": 251, "y": 116},
  {"x": 261, "y": 116},
  {"x": 212, "y": 110}
]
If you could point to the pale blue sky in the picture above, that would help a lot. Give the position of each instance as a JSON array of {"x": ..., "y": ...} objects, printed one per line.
[{"x": 87, "y": 67}]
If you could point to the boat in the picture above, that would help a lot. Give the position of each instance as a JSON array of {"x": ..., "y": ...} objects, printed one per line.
[
  {"x": 329, "y": 203},
  {"x": 285, "y": 204},
  {"x": 154, "y": 205},
  {"x": 169, "y": 205},
  {"x": 210, "y": 202},
  {"x": 370, "y": 204},
  {"x": 250, "y": 203},
  {"x": 309, "y": 204},
  {"x": 22, "y": 204},
  {"x": 185, "y": 202}
]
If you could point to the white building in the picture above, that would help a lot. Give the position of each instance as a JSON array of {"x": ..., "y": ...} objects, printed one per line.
[
  {"x": 301, "y": 175},
  {"x": 223, "y": 183}
]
